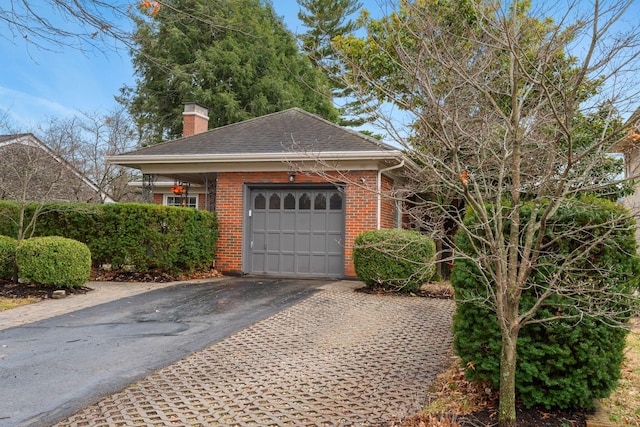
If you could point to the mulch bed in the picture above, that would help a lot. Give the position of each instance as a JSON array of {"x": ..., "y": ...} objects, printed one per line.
[
  {"x": 443, "y": 292},
  {"x": 489, "y": 417},
  {"x": 8, "y": 289}
]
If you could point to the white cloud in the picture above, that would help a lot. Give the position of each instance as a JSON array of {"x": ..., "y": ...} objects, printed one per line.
[{"x": 26, "y": 111}]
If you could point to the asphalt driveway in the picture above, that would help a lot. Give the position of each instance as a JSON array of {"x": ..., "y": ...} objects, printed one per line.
[{"x": 53, "y": 368}]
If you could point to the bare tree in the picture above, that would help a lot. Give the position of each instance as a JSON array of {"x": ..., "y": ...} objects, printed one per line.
[
  {"x": 29, "y": 174},
  {"x": 85, "y": 141},
  {"x": 55, "y": 24},
  {"x": 501, "y": 101}
]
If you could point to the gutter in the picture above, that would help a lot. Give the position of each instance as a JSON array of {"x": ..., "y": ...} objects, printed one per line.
[
  {"x": 399, "y": 165},
  {"x": 124, "y": 159}
]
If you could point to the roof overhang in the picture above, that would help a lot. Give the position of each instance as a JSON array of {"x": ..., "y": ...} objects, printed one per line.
[
  {"x": 193, "y": 168},
  {"x": 133, "y": 160}
]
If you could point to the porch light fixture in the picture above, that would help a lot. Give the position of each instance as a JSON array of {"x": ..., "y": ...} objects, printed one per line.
[{"x": 292, "y": 176}]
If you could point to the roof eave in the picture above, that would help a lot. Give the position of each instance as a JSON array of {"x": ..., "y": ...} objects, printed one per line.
[{"x": 125, "y": 159}]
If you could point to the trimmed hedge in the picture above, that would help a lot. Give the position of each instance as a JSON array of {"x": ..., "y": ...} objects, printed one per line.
[
  {"x": 394, "y": 259},
  {"x": 55, "y": 261},
  {"x": 171, "y": 239},
  {"x": 8, "y": 247},
  {"x": 566, "y": 363}
]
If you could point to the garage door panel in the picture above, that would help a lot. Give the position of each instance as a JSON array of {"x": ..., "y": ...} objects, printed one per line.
[
  {"x": 335, "y": 223},
  {"x": 288, "y": 242},
  {"x": 259, "y": 241},
  {"x": 297, "y": 232},
  {"x": 258, "y": 262},
  {"x": 288, "y": 220},
  {"x": 303, "y": 263},
  {"x": 273, "y": 263},
  {"x": 318, "y": 243},
  {"x": 318, "y": 264},
  {"x": 259, "y": 221},
  {"x": 288, "y": 263},
  {"x": 303, "y": 221},
  {"x": 273, "y": 221},
  {"x": 318, "y": 221},
  {"x": 303, "y": 242},
  {"x": 335, "y": 244},
  {"x": 273, "y": 242},
  {"x": 335, "y": 262}
]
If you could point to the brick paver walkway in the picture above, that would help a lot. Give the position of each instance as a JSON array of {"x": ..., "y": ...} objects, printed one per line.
[{"x": 338, "y": 358}]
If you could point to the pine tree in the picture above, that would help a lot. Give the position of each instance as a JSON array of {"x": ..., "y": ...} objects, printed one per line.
[
  {"x": 325, "y": 20},
  {"x": 235, "y": 57}
]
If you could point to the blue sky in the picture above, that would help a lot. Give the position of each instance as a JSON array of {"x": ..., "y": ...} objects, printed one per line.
[{"x": 37, "y": 84}]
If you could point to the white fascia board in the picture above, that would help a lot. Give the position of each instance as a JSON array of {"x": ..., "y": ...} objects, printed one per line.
[
  {"x": 264, "y": 157},
  {"x": 281, "y": 166}
]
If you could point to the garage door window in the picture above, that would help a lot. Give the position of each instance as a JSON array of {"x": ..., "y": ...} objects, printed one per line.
[
  {"x": 320, "y": 203},
  {"x": 274, "y": 201},
  {"x": 290, "y": 201},
  {"x": 260, "y": 202},
  {"x": 335, "y": 203},
  {"x": 305, "y": 202}
]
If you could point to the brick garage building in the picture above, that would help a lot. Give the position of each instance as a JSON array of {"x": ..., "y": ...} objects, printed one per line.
[{"x": 290, "y": 189}]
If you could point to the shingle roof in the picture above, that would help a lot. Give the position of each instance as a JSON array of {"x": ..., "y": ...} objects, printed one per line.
[{"x": 292, "y": 130}]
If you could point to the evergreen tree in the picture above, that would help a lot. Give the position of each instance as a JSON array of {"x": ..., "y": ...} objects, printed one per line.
[
  {"x": 325, "y": 20},
  {"x": 235, "y": 57}
]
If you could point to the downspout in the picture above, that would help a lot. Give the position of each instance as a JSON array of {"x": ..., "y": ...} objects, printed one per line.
[{"x": 399, "y": 165}]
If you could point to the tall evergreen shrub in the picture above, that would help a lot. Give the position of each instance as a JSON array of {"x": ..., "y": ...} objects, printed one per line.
[
  {"x": 8, "y": 247},
  {"x": 171, "y": 239},
  {"x": 572, "y": 360}
]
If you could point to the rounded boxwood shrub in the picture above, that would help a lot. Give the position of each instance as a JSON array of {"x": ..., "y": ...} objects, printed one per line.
[
  {"x": 55, "y": 261},
  {"x": 7, "y": 256},
  {"x": 394, "y": 259},
  {"x": 574, "y": 359}
]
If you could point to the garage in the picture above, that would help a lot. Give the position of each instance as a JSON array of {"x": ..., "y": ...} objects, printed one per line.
[
  {"x": 296, "y": 231},
  {"x": 291, "y": 190}
]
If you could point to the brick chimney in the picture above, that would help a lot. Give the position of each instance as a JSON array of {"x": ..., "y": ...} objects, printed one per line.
[{"x": 195, "y": 119}]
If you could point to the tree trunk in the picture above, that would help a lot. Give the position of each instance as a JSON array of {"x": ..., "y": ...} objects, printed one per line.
[
  {"x": 507, "y": 405},
  {"x": 439, "y": 261}
]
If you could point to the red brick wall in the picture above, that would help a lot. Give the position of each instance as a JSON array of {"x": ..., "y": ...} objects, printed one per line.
[
  {"x": 387, "y": 217},
  {"x": 361, "y": 214}
]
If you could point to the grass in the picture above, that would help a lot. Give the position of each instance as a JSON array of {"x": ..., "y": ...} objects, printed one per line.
[
  {"x": 623, "y": 406},
  {"x": 9, "y": 303}
]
